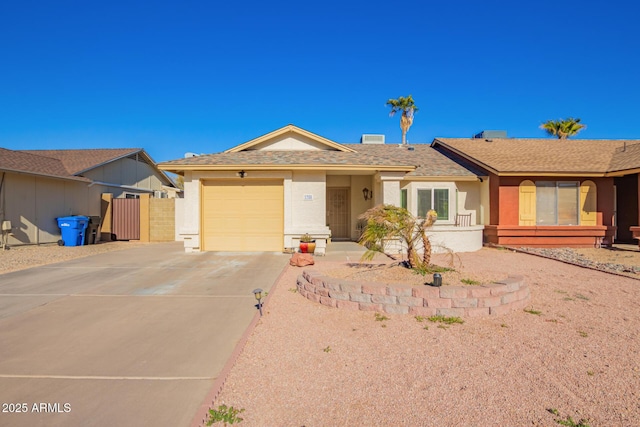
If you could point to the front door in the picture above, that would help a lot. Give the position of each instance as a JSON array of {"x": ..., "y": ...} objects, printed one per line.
[{"x": 338, "y": 213}]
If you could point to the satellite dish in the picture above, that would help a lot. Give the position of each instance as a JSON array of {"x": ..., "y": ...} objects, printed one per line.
[{"x": 187, "y": 155}]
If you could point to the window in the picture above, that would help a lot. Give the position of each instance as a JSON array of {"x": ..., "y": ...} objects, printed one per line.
[
  {"x": 557, "y": 203},
  {"x": 437, "y": 199},
  {"x": 403, "y": 199}
]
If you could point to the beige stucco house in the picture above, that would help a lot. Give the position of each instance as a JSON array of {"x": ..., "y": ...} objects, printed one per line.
[
  {"x": 38, "y": 186},
  {"x": 264, "y": 194}
]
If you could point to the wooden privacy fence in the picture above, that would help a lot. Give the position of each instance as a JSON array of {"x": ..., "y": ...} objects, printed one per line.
[
  {"x": 146, "y": 219},
  {"x": 125, "y": 219}
]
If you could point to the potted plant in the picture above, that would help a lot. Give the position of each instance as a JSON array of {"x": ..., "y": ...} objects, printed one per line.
[{"x": 307, "y": 244}]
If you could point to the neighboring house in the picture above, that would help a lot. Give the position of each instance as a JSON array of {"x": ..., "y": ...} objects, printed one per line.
[
  {"x": 264, "y": 194},
  {"x": 550, "y": 192},
  {"x": 37, "y": 186}
]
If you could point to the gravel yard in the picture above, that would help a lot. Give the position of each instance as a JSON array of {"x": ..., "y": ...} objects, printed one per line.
[
  {"x": 574, "y": 352},
  {"x": 21, "y": 257}
]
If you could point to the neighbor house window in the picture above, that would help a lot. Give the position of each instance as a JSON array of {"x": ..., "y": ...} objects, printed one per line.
[
  {"x": 557, "y": 203},
  {"x": 403, "y": 199},
  {"x": 436, "y": 199}
]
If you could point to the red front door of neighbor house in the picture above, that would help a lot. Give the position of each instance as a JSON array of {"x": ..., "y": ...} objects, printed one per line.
[{"x": 338, "y": 213}]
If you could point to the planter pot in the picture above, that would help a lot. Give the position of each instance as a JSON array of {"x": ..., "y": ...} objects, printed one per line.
[{"x": 307, "y": 248}]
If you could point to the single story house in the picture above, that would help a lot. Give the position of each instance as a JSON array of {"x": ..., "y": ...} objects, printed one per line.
[
  {"x": 264, "y": 194},
  {"x": 550, "y": 192},
  {"x": 37, "y": 186}
]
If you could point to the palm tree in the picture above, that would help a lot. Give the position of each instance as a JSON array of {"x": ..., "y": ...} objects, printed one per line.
[
  {"x": 563, "y": 128},
  {"x": 408, "y": 108},
  {"x": 387, "y": 223}
]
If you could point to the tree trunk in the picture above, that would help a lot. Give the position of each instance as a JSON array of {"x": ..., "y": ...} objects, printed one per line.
[
  {"x": 426, "y": 256},
  {"x": 405, "y": 124}
]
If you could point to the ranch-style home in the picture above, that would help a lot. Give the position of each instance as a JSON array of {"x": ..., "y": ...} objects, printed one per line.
[
  {"x": 550, "y": 192},
  {"x": 263, "y": 195}
]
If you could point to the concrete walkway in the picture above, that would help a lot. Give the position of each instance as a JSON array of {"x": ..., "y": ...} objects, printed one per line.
[{"x": 126, "y": 338}]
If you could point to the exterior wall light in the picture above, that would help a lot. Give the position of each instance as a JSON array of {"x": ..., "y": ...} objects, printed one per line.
[
  {"x": 367, "y": 194},
  {"x": 241, "y": 174},
  {"x": 258, "y": 294}
]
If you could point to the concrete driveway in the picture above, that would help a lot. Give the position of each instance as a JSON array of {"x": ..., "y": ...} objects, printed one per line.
[{"x": 126, "y": 338}]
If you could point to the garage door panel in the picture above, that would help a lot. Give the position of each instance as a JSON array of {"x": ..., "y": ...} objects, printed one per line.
[{"x": 243, "y": 216}]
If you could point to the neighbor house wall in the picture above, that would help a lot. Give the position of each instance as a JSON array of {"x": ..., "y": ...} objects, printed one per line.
[
  {"x": 127, "y": 172},
  {"x": 508, "y": 231},
  {"x": 32, "y": 204}
]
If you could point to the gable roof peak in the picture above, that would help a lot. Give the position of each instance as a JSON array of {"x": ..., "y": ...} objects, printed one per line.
[{"x": 290, "y": 128}]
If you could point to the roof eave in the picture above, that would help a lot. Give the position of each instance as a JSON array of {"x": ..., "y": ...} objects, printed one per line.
[
  {"x": 46, "y": 175},
  {"x": 373, "y": 168}
]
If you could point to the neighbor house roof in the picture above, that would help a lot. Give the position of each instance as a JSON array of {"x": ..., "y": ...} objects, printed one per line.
[
  {"x": 24, "y": 162},
  {"x": 529, "y": 156},
  {"x": 78, "y": 161}
]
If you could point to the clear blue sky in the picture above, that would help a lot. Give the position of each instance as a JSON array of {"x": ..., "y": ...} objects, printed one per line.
[{"x": 202, "y": 77}]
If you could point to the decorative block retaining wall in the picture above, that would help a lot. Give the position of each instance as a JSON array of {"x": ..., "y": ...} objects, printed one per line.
[{"x": 459, "y": 301}]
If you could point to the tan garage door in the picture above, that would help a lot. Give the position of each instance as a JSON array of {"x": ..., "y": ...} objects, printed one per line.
[{"x": 243, "y": 215}]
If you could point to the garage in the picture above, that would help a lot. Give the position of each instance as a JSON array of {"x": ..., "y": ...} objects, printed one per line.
[{"x": 243, "y": 216}]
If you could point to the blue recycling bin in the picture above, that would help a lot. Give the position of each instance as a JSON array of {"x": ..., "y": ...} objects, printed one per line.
[{"x": 73, "y": 229}]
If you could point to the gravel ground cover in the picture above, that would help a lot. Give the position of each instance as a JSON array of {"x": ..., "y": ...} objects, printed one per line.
[
  {"x": 572, "y": 353},
  {"x": 615, "y": 260},
  {"x": 26, "y": 256}
]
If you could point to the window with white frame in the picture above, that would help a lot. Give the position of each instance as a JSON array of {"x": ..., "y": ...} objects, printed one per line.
[
  {"x": 557, "y": 203},
  {"x": 403, "y": 199},
  {"x": 436, "y": 199}
]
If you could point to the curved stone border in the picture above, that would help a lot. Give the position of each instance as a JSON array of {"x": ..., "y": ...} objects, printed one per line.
[{"x": 459, "y": 301}]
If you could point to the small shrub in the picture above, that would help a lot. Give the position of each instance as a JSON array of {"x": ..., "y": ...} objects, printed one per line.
[
  {"x": 445, "y": 319},
  {"x": 380, "y": 317},
  {"x": 294, "y": 290},
  {"x": 504, "y": 325},
  {"x": 532, "y": 311},
  {"x": 327, "y": 349},
  {"x": 580, "y": 296},
  {"x": 568, "y": 422},
  {"x": 583, "y": 334},
  {"x": 226, "y": 414},
  {"x": 419, "y": 319},
  {"x": 470, "y": 282}
]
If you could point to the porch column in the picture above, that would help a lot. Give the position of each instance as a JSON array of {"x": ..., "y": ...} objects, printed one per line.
[
  {"x": 190, "y": 230},
  {"x": 390, "y": 187}
]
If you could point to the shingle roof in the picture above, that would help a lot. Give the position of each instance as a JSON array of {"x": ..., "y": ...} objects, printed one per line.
[
  {"x": 423, "y": 158},
  {"x": 625, "y": 157},
  {"x": 528, "y": 156},
  {"x": 281, "y": 157},
  {"x": 20, "y": 161},
  {"x": 428, "y": 161},
  {"x": 77, "y": 161}
]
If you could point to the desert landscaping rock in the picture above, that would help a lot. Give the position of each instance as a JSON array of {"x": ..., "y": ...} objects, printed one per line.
[{"x": 575, "y": 349}]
